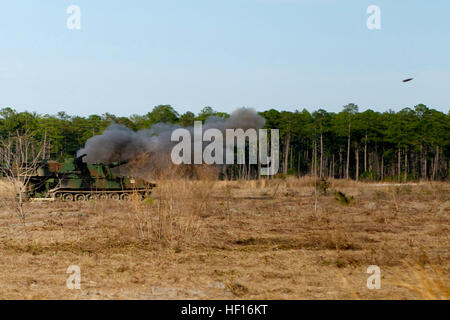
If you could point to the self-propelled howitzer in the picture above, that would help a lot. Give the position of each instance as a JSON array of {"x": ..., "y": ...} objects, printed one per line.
[{"x": 77, "y": 180}]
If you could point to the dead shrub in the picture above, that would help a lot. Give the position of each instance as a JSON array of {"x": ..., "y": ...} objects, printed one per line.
[{"x": 173, "y": 216}]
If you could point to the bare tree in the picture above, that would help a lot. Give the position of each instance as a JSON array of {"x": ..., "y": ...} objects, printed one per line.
[{"x": 19, "y": 160}]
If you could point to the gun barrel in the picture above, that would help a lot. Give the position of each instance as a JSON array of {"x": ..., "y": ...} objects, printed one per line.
[{"x": 82, "y": 156}]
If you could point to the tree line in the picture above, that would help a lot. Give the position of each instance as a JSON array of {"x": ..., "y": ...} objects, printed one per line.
[{"x": 411, "y": 144}]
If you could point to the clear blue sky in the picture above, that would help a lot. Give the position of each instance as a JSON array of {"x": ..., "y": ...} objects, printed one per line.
[{"x": 287, "y": 54}]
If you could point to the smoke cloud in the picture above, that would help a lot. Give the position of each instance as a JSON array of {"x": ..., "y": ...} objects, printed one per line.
[{"x": 118, "y": 143}]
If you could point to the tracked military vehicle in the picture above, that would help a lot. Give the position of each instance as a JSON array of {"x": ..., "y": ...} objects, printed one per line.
[{"x": 75, "y": 180}]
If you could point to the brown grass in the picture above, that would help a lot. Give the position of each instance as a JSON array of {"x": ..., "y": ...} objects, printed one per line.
[{"x": 207, "y": 239}]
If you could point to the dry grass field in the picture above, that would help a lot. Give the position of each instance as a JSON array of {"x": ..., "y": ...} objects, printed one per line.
[{"x": 268, "y": 239}]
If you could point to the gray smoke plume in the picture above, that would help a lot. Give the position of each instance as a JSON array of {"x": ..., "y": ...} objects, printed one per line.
[{"x": 118, "y": 143}]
